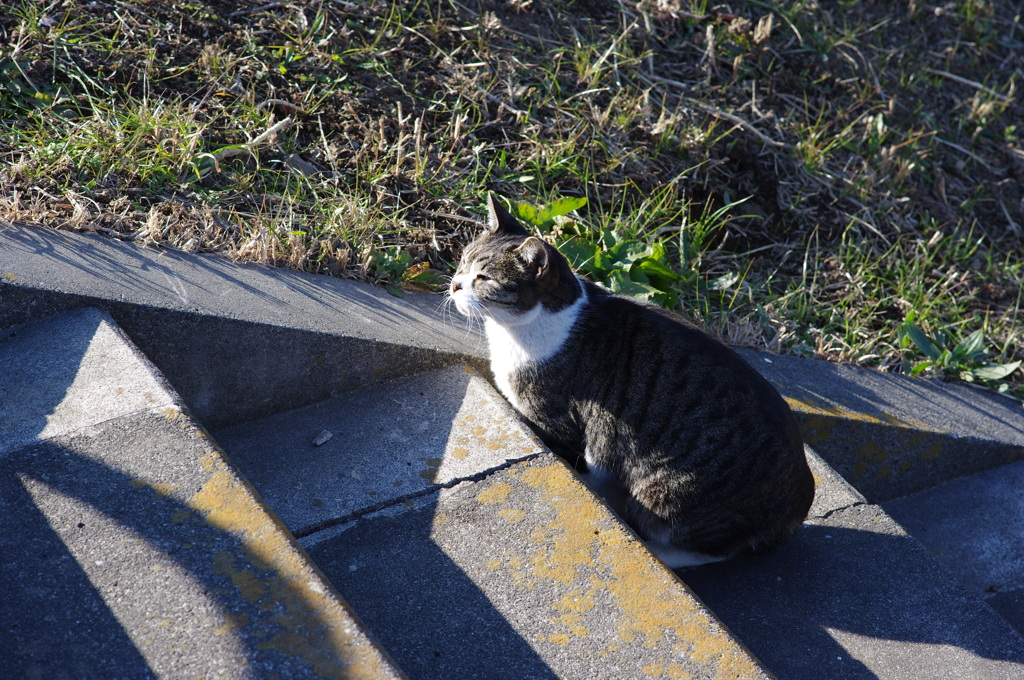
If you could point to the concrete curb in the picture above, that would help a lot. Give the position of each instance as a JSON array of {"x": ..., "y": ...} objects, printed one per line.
[
  {"x": 198, "y": 317},
  {"x": 238, "y": 342},
  {"x": 891, "y": 435}
]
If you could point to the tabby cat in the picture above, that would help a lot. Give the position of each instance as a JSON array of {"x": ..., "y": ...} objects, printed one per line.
[{"x": 705, "y": 453}]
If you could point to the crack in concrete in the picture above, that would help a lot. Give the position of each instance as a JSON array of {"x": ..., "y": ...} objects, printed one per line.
[
  {"x": 377, "y": 507},
  {"x": 835, "y": 510}
]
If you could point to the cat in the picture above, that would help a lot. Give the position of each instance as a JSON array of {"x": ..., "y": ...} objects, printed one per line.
[{"x": 703, "y": 453}]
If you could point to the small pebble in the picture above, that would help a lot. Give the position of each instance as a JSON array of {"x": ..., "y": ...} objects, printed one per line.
[{"x": 323, "y": 438}]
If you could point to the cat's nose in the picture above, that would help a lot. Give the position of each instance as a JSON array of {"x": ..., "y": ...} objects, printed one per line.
[{"x": 456, "y": 286}]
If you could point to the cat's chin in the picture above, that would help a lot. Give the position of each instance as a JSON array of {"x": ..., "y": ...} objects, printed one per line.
[{"x": 468, "y": 306}]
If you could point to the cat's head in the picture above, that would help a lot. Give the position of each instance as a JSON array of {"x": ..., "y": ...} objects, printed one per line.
[{"x": 507, "y": 272}]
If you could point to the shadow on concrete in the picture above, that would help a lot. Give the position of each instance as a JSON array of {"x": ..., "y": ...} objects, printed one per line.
[
  {"x": 833, "y": 595},
  {"x": 117, "y": 261},
  {"x": 365, "y": 504},
  {"x": 188, "y": 278},
  {"x": 880, "y": 395},
  {"x": 892, "y": 435},
  {"x": 406, "y": 589},
  {"x": 55, "y": 621},
  {"x": 238, "y": 342},
  {"x": 77, "y": 554}
]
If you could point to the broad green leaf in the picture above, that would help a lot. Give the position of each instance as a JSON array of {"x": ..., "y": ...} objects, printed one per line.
[
  {"x": 621, "y": 284},
  {"x": 628, "y": 252},
  {"x": 526, "y": 212},
  {"x": 609, "y": 239},
  {"x": 544, "y": 217},
  {"x": 637, "y": 276},
  {"x": 972, "y": 347},
  {"x": 652, "y": 267},
  {"x": 579, "y": 252},
  {"x": 603, "y": 264},
  {"x": 562, "y": 206},
  {"x": 920, "y": 368},
  {"x": 922, "y": 341},
  {"x": 996, "y": 371}
]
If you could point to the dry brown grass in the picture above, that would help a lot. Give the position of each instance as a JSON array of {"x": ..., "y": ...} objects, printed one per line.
[{"x": 875, "y": 148}]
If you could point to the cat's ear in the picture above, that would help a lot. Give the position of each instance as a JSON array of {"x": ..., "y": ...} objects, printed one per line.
[
  {"x": 500, "y": 220},
  {"x": 535, "y": 252}
]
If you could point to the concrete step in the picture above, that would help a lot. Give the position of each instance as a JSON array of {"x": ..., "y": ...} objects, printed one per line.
[
  {"x": 974, "y": 526},
  {"x": 130, "y": 548},
  {"x": 468, "y": 548},
  {"x": 431, "y": 534},
  {"x": 891, "y": 435},
  {"x": 241, "y": 343},
  {"x": 854, "y": 596}
]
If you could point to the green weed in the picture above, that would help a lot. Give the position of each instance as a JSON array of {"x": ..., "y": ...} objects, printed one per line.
[{"x": 815, "y": 178}]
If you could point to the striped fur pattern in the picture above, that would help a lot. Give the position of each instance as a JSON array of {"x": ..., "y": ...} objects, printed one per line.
[{"x": 702, "y": 451}]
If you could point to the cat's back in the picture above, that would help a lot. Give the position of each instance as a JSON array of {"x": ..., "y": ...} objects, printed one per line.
[
  {"x": 678, "y": 390},
  {"x": 646, "y": 339},
  {"x": 658, "y": 394}
]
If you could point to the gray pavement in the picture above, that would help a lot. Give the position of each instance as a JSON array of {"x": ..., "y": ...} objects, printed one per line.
[
  {"x": 270, "y": 360},
  {"x": 467, "y": 547},
  {"x": 974, "y": 526},
  {"x": 129, "y": 547}
]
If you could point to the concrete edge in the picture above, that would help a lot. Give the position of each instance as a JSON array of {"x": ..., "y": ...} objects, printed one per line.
[
  {"x": 891, "y": 435},
  {"x": 887, "y": 460},
  {"x": 296, "y": 596},
  {"x": 238, "y": 342},
  {"x": 303, "y": 338}
]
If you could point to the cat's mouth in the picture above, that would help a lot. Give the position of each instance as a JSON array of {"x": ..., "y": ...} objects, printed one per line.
[{"x": 467, "y": 304}]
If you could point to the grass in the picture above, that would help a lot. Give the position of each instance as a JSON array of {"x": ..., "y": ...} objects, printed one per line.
[{"x": 831, "y": 179}]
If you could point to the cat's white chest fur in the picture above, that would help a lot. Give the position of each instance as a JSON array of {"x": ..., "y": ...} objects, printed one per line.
[{"x": 529, "y": 339}]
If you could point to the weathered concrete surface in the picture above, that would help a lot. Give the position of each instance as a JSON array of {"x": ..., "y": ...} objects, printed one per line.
[
  {"x": 471, "y": 551},
  {"x": 890, "y": 435},
  {"x": 237, "y": 341},
  {"x": 129, "y": 547},
  {"x": 522, "y": 575},
  {"x": 852, "y": 596},
  {"x": 202, "y": 318},
  {"x": 57, "y": 378},
  {"x": 974, "y": 526},
  {"x": 389, "y": 442}
]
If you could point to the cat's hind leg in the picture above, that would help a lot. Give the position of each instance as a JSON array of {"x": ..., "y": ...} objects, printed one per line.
[{"x": 604, "y": 484}]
